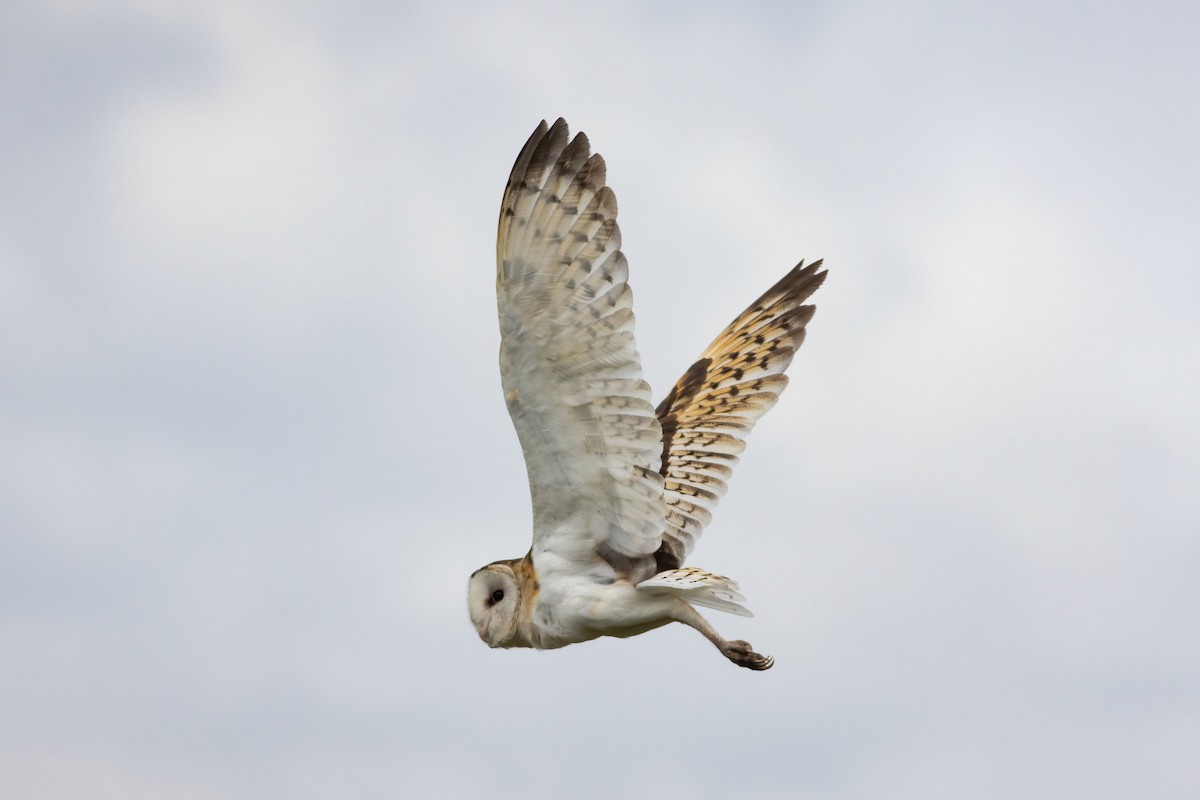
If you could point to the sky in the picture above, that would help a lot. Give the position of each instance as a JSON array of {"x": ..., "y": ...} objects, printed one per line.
[{"x": 252, "y": 440}]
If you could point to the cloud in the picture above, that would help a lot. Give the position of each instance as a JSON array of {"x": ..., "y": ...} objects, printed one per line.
[{"x": 255, "y": 443}]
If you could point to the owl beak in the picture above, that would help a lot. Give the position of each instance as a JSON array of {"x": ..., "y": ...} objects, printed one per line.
[{"x": 485, "y": 634}]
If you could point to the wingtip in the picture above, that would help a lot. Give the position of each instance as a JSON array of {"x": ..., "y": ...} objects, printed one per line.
[
  {"x": 795, "y": 287},
  {"x": 814, "y": 268}
]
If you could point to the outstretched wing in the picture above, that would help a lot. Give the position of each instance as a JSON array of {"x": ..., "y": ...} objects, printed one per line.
[
  {"x": 568, "y": 361},
  {"x": 708, "y": 413}
]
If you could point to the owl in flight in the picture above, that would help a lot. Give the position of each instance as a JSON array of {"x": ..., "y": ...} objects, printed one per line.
[{"x": 621, "y": 490}]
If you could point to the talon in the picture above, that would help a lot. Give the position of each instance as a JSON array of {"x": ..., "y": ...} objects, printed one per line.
[{"x": 742, "y": 654}]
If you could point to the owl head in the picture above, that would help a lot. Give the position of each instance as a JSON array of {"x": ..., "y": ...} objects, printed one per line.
[{"x": 494, "y": 599}]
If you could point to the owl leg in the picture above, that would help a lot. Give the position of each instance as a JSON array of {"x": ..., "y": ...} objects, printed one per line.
[{"x": 737, "y": 651}]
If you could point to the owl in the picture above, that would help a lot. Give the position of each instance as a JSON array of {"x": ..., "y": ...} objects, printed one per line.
[{"x": 621, "y": 489}]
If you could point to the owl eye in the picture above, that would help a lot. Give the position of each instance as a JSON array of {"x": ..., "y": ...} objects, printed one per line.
[{"x": 497, "y": 595}]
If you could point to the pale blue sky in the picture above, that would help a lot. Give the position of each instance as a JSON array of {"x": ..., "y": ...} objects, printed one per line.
[{"x": 252, "y": 441}]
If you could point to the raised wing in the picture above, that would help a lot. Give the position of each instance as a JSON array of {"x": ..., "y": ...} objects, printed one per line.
[
  {"x": 708, "y": 413},
  {"x": 568, "y": 361}
]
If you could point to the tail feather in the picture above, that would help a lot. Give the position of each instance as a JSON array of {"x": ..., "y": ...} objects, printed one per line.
[{"x": 699, "y": 588}]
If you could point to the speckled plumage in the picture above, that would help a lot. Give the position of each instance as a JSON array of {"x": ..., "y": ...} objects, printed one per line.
[{"x": 620, "y": 490}]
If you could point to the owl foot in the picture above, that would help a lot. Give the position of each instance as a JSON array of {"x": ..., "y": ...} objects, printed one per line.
[{"x": 743, "y": 655}]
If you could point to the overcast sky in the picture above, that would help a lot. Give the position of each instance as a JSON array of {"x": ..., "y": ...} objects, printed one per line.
[{"x": 252, "y": 440}]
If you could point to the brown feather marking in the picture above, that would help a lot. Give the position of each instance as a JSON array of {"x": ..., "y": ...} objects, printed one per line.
[
  {"x": 530, "y": 586},
  {"x": 669, "y": 555},
  {"x": 679, "y": 398},
  {"x": 526, "y": 575}
]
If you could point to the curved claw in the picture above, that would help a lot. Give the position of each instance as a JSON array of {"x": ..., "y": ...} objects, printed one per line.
[{"x": 742, "y": 654}]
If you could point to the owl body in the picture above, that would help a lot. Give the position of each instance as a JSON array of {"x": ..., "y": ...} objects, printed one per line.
[{"x": 621, "y": 489}]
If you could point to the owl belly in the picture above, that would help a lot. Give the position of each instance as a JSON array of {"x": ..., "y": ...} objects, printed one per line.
[{"x": 579, "y": 609}]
